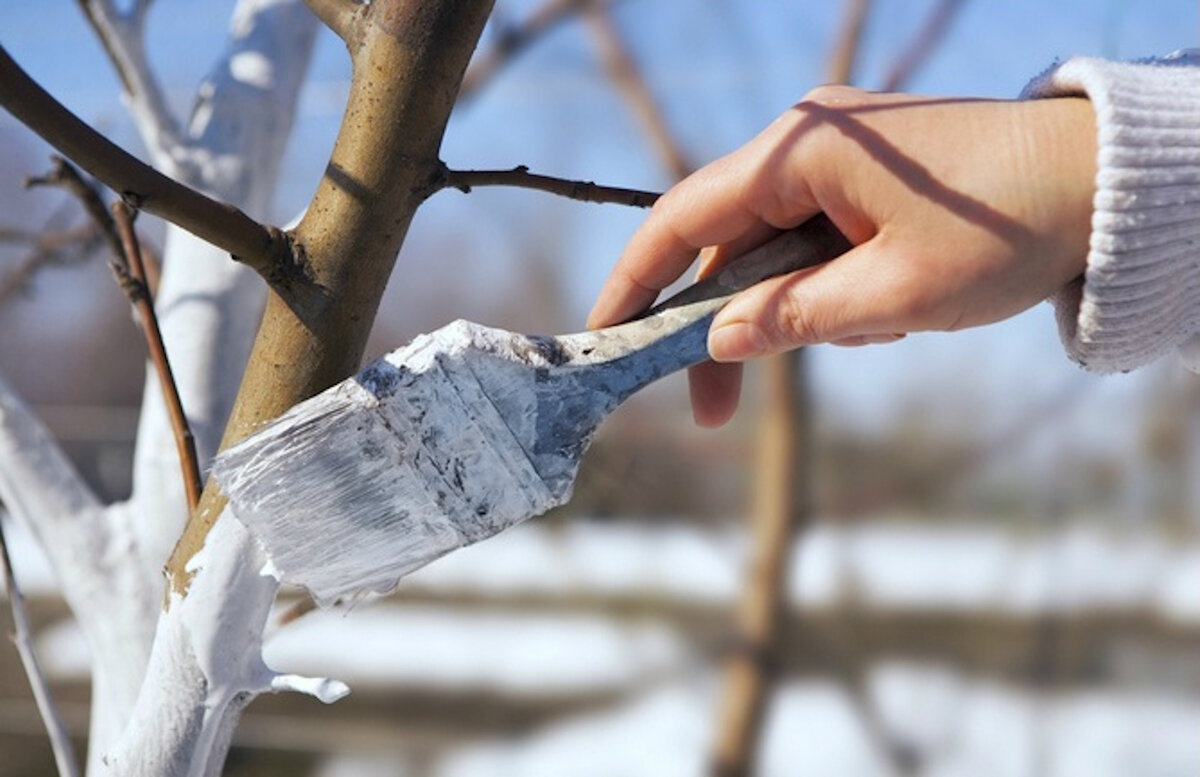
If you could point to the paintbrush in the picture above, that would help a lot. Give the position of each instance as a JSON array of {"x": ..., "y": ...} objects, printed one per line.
[{"x": 463, "y": 432}]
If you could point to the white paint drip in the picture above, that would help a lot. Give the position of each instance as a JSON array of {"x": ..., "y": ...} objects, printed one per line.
[
  {"x": 328, "y": 691},
  {"x": 224, "y": 632}
]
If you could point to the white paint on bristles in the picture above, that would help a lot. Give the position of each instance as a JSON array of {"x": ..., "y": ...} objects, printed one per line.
[{"x": 389, "y": 470}]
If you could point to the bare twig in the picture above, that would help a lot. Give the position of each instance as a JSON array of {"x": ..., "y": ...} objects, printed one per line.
[
  {"x": 63, "y": 174},
  {"x": 130, "y": 271},
  {"x": 56, "y": 730},
  {"x": 266, "y": 249},
  {"x": 152, "y": 264},
  {"x": 121, "y": 34},
  {"x": 586, "y": 191},
  {"x": 131, "y": 276},
  {"x": 917, "y": 52},
  {"x": 845, "y": 52},
  {"x": 514, "y": 39},
  {"x": 18, "y": 235},
  {"x": 50, "y": 249},
  {"x": 629, "y": 81},
  {"x": 339, "y": 16},
  {"x": 60, "y": 247}
]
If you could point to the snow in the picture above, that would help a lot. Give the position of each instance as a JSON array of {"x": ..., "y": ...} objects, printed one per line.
[
  {"x": 962, "y": 726},
  {"x": 664, "y": 733},
  {"x": 674, "y": 562},
  {"x": 975, "y": 729},
  {"x": 1178, "y": 597},
  {"x": 891, "y": 565},
  {"x": 433, "y": 648}
]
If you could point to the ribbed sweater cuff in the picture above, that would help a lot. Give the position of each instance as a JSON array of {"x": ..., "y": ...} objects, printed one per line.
[{"x": 1140, "y": 294}]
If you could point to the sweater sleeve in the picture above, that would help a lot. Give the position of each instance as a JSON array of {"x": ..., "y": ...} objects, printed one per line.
[{"x": 1140, "y": 294}]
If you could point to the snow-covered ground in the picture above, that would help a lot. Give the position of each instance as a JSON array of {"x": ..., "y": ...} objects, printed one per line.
[
  {"x": 428, "y": 647},
  {"x": 892, "y": 565},
  {"x": 955, "y": 727},
  {"x": 958, "y": 724}
]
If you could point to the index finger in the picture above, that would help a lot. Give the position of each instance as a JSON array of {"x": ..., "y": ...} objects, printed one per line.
[{"x": 719, "y": 203}]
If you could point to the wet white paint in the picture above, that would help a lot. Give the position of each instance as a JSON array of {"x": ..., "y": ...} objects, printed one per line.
[{"x": 388, "y": 471}]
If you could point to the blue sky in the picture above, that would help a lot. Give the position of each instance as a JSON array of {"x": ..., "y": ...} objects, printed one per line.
[{"x": 722, "y": 70}]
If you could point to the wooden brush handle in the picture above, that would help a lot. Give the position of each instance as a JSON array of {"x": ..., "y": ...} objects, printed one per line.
[
  {"x": 814, "y": 242},
  {"x": 674, "y": 333}
]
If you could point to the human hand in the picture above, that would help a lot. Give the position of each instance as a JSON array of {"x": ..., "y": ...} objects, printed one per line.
[{"x": 962, "y": 213}]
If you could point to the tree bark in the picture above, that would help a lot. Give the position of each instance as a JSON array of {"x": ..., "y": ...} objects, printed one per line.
[
  {"x": 408, "y": 60},
  {"x": 205, "y": 666}
]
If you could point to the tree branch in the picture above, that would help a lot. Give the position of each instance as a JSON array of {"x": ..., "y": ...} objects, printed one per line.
[
  {"x": 130, "y": 272},
  {"x": 266, "y": 249},
  {"x": 341, "y": 16},
  {"x": 131, "y": 277},
  {"x": 514, "y": 39},
  {"x": 64, "y": 175},
  {"x": 520, "y": 177},
  {"x": 36, "y": 478},
  {"x": 56, "y": 730},
  {"x": 56, "y": 248},
  {"x": 924, "y": 44},
  {"x": 845, "y": 51},
  {"x": 122, "y": 36},
  {"x": 18, "y": 235},
  {"x": 629, "y": 81}
]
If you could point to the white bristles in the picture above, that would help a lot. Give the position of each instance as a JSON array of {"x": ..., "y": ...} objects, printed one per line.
[{"x": 385, "y": 472}]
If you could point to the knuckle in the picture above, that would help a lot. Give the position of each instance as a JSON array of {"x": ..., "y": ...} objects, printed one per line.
[
  {"x": 666, "y": 203},
  {"x": 834, "y": 96},
  {"x": 795, "y": 322}
]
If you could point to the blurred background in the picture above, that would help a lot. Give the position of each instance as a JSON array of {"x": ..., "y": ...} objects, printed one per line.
[{"x": 989, "y": 560}]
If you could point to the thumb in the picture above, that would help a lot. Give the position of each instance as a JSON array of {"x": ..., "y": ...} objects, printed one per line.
[{"x": 861, "y": 293}]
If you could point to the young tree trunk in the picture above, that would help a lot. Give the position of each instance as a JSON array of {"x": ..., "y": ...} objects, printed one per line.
[
  {"x": 206, "y": 664},
  {"x": 171, "y": 677}
]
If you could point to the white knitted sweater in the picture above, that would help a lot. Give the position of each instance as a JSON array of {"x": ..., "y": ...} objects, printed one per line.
[{"x": 1140, "y": 294}]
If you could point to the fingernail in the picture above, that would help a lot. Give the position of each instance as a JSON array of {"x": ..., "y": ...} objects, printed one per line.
[
  {"x": 881, "y": 339},
  {"x": 736, "y": 342}
]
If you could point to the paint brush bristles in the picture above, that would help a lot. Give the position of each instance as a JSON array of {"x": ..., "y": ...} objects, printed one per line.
[{"x": 384, "y": 472}]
